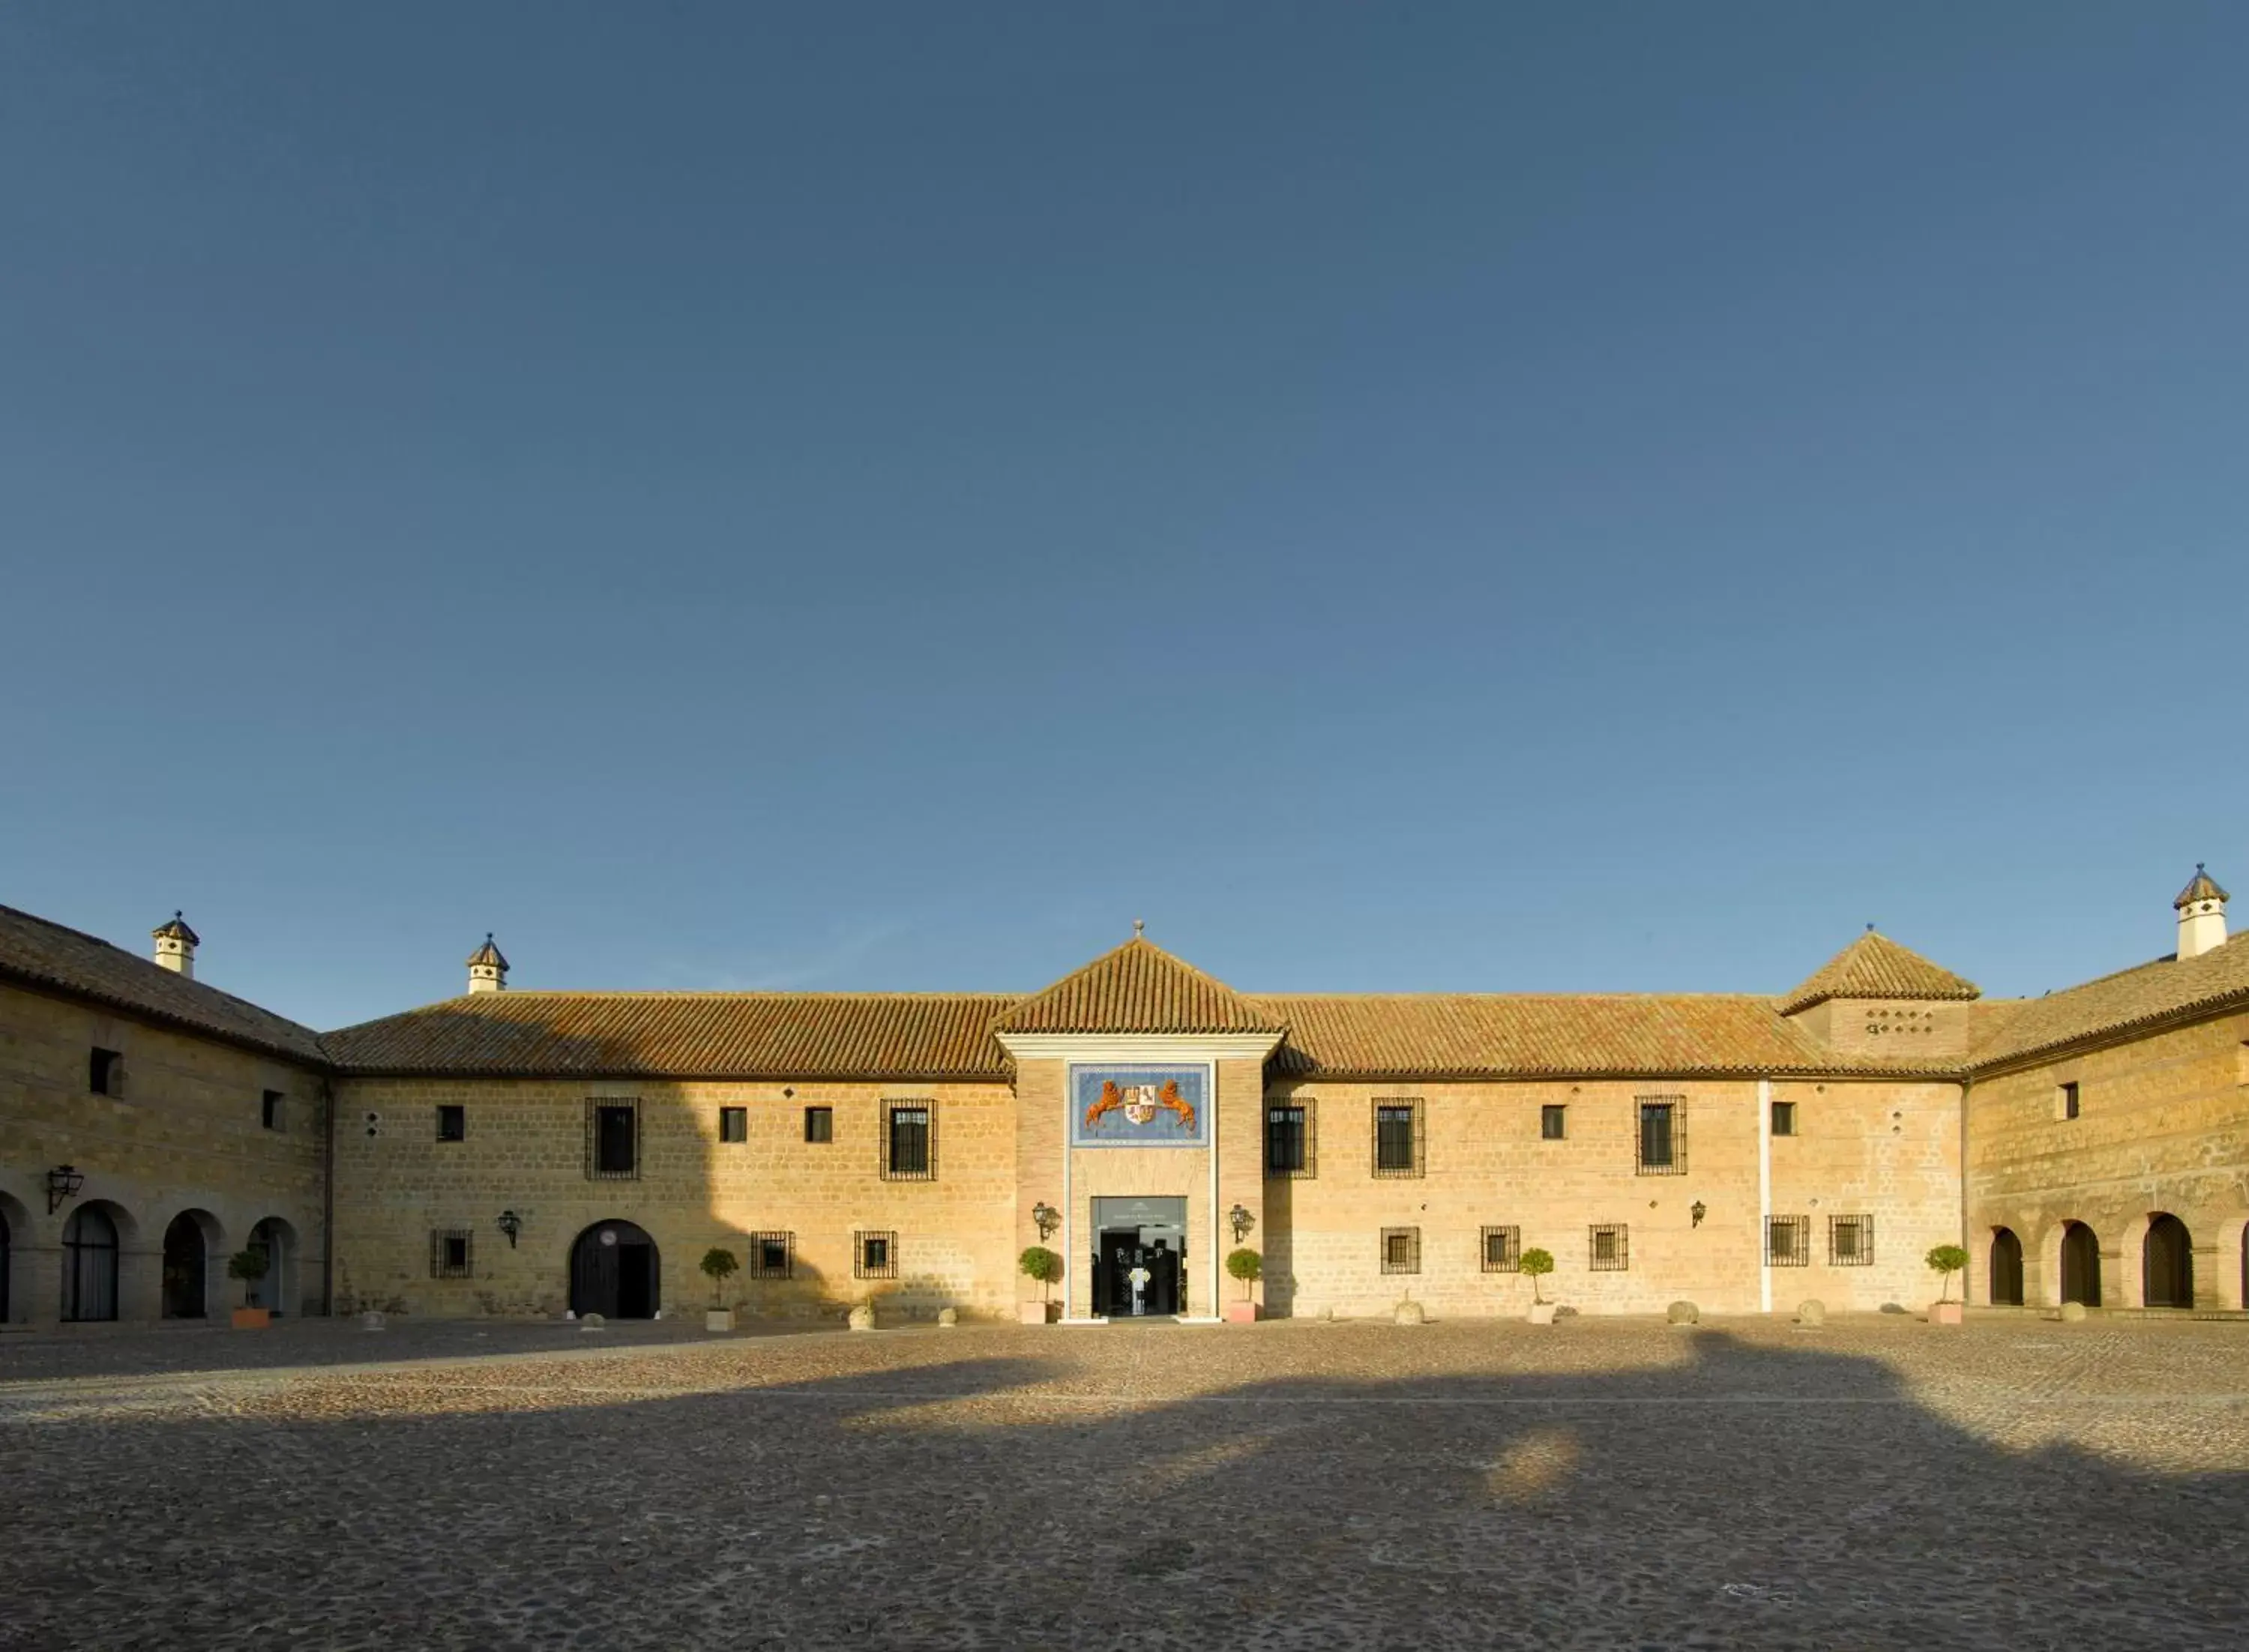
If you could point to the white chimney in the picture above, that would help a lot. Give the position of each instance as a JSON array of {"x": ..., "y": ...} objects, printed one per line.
[
  {"x": 487, "y": 970},
  {"x": 2201, "y": 908},
  {"x": 175, "y": 946}
]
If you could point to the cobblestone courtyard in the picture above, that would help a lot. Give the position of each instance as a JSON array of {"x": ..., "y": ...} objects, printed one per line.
[{"x": 2019, "y": 1482}]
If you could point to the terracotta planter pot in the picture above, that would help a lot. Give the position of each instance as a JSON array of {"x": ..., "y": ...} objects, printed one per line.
[
  {"x": 1037, "y": 1312},
  {"x": 1242, "y": 1313},
  {"x": 717, "y": 1319},
  {"x": 252, "y": 1318},
  {"x": 1944, "y": 1313},
  {"x": 1542, "y": 1312}
]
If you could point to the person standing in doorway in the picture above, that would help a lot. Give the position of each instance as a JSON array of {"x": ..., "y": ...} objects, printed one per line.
[{"x": 1139, "y": 1277}]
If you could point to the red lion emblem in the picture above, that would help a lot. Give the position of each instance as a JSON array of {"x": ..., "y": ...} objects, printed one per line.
[{"x": 1141, "y": 1103}]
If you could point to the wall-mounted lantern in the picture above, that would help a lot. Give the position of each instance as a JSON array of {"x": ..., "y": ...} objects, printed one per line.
[
  {"x": 510, "y": 1224},
  {"x": 63, "y": 1182},
  {"x": 1243, "y": 1222},
  {"x": 1047, "y": 1217},
  {"x": 1698, "y": 1210}
]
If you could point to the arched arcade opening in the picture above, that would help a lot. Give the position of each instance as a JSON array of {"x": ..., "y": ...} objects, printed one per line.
[
  {"x": 192, "y": 1239},
  {"x": 616, "y": 1272},
  {"x": 2081, "y": 1264},
  {"x": 2006, "y": 1287},
  {"x": 2167, "y": 1264},
  {"x": 90, "y": 1243}
]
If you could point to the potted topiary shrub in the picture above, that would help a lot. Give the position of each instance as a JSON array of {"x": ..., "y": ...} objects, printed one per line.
[
  {"x": 248, "y": 1266},
  {"x": 1248, "y": 1267},
  {"x": 1944, "y": 1261},
  {"x": 1535, "y": 1265},
  {"x": 1042, "y": 1264},
  {"x": 718, "y": 1265}
]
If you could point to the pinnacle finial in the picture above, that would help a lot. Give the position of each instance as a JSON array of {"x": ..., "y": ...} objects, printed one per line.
[
  {"x": 1870, "y": 929},
  {"x": 1139, "y": 927}
]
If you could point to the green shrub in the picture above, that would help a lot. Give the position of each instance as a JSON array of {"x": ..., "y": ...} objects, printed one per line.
[
  {"x": 1248, "y": 1267},
  {"x": 1944, "y": 1261},
  {"x": 1537, "y": 1263},
  {"x": 248, "y": 1266},
  {"x": 1042, "y": 1264},
  {"x": 718, "y": 1265}
]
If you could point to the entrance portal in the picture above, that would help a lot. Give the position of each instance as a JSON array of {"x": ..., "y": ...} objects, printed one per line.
[
  {"x": 1140, "y": 1257},
  {"x": 2168, "y": 1260},
  {"x": 184, "y": 1269},
  {"x": 2006, "y": 1269},
  {"x": 615, "y": 1272},
  {"x": 2081, "y": 1265}
]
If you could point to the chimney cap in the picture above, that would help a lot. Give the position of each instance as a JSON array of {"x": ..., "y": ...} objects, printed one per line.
[
  {"x": 176, "y": 930},
  {"x": 487, "y": 956},
  {"x": 2204, "y": 888}
]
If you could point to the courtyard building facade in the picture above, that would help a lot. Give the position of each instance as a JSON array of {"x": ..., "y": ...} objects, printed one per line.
[{"x": 508, "y": 1152}]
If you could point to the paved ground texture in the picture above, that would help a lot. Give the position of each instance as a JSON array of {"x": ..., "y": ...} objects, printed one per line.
[{"x": 2016, "y": 1483}]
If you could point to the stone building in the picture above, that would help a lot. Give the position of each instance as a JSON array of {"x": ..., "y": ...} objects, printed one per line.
[{"x": 536, "y": 1152}]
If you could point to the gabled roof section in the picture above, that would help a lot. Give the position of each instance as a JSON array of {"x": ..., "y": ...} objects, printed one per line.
[
  {"x": 684, "y": 1035},
  {"x": 39, "y": 954},
  {"x": 2169, "y": 988},
  {"x": 1139, "y": 988},
  {"x": 1873, "y": 966}
]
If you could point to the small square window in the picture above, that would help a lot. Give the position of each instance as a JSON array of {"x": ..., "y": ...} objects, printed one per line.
[
  {"x": 820, "y": 1124},
  {"x": 1553, "y": 1123},
  {"x": 1401, "y": 1249},
  {"x": 2065, "y": 1101},
  {"x": 773, "y": 1256},
  {"x": 453, "y": 1122},
  {"x": 875, "y": 1256},
  {"x": 733, "y": 1124},
  {"x": 1502, "y": 1250},
  {"x": 1850, "y": 1241},
  {"x": 105, "y": 1071},
  {"x": 1787, "y": 1241},
  {"x": 270, "y": 1113},
  {"x": 451, "y": 1254},
  {"x": 1783, "y": 1118},
  {"x": 1608, "y": 1248}
]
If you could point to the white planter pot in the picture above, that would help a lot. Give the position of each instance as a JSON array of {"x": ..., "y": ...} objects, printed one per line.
[
  {"x": 717, "y": 1319},
  {"x": 1542, "y": 1312}
]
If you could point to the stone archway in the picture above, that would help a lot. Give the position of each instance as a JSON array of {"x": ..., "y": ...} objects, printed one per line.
[
  {"x": 277, "y": 1291},
  {"x": 194, "y": 1255},
  {"x": 2081, "y": 1264},
  {"x": 93, "y": 1241},
  {"x": 616, "y": 1272},
  {"x": 14, "y": 1230},
  {"x": 2006, "y": 1269},
  {"x": 2166, "y": 1263}
]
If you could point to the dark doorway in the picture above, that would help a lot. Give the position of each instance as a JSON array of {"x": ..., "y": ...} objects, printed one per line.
[
  {"x": 89, "y": 1265},
  {"x": 616, "y": 1272},
  {"x": 2167, "y": 1264},
  {"x": 184, "y": 1267},
  {"x": 2081, "y": 1264},
  {"x": 1139, "y": 1259},
  {"x": 7, "y": 1270},
  {"x": 2006, "y": 1269}
]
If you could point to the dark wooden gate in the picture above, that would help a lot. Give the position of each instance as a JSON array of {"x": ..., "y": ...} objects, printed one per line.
[
  {"x": 2006, "y": 1269},
  {"x": 183, "y": 1269},
  {"x": 615, "y": 1272},
  {"x": 2081, "y": 1265},
  {"x": 2167, "y": 1260}
]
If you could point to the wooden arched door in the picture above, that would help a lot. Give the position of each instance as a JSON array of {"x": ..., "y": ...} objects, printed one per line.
[
  {"x": 2167, "y": 1261},
  {"x": 2081, "y": 1264},
  {"x": 616, "y": 1272},
  {"x": 2006, "y": 1269}
]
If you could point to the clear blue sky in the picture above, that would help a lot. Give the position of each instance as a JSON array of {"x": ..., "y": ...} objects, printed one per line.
[{"x": 1435, "y": 497}]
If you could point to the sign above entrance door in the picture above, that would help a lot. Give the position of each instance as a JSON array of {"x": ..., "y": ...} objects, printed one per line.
[{"x": 1140, "y": 1106}]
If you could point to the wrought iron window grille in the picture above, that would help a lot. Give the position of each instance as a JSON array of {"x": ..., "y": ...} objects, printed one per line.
[
  {"x": 875, "y": 1256},
  {"x": 1661, "y": 1142},
  {"x": 1398, "y": 1136},
  {"x": 1292, "y": 1141},
  {"x": 1787, "y": 1241},
  {"x": 1608, "y": 1247},
  {"x": 1502, "y": 1249},
  {"x": 773, "y": 1256},
  {"x": 613, "y": 1139},
  {"x": 910, "y": 1140},
  {"x": 1850, "y": 1241},
  {"x": 452, "y": 1253},
  {"x": 1401, "y": 1249}
]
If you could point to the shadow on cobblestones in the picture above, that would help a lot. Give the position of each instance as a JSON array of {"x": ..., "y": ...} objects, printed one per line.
[{"x": 1149, "y": 1488}]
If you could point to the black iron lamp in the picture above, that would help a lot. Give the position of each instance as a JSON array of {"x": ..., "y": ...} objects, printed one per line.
[
  {"x": 1243, "y": 1222},
  {"x": 1698, "y": 1210},
  {"x": 63, "y": 1182},
  {"x": 510, "y": 1224},
  {"x": 1046, "y": 1216}
]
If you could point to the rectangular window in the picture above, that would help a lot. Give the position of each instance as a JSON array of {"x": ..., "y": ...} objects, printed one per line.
[
  {"x": 270, "y": 1105},
  {"x": 1787, "y": 1241},
  {"x": 1608, "y": 1247},
  {"x": 613, "y": 1140},
  {"x": 105, "y": 1072},
  {"x": 2065, "y": 1101},
  {"x": 1289, "y": 1141},
  {"x": 773, "y": 1256},
  {"x": 1502, "y": 1250},
  {"x": 1553, "y": 1123},
  {"x": 453, "y": 1122},
  {"x": 450, "y": 1253},
  {"x": 1397, "y": 1136},
  {"x": 908, "y": 1141},
  {"x": 820, "y": 1124},
  {"x": 1662, "y": 1136},
  {"x": 1401, "y": 1249},
  {"x": 1850, "y": 1241},
  {"x": 733, "y": 1124},
  {"x": 1783, "y": 1118},
  {"x": 874, "y": 1256}
]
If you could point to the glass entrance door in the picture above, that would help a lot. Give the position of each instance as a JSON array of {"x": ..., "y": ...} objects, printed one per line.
[{"x": 1139, "y": 1258}]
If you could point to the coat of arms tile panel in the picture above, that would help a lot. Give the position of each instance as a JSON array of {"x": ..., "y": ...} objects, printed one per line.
[{"x": 1121, "y": 1105}]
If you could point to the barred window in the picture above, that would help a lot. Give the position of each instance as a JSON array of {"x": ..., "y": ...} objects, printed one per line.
[
  {"x": 613, "y": 1139},
  {"x": 820, "y": 1124},
  {"x": 773, "y": 1256},
  {"x": 1663, "y": 1136},
  {"x": 1553, "y": 1123},
  {"x": 1783, "y": 1118},
  {"x": 1289, "y": 1141},
  {"x": 1502, "y": 1250},
  {"x": 733, "y": 1124},
  {"x": 874, "y": 1256},
  {"x": 453, "y": 1122},
  {"x": 1401, "y": 1249},
  {"x": 908, "y": 1141},
  {"x": 1850, "y": 1241},
  {"x": 1787, "y": 1241},
  {"x": 1397, "y": 1136},
  {"x": 1608, "y": 1247},
  {"x": 451, "y": 1253}
]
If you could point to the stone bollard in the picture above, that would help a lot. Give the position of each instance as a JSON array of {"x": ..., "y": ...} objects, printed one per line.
[
  {"x": 1683, "y": 1313},
  {"x": 1811, "y": 1313},
  {"x": 863, "y": 1317},
  {"x": 1409, "y": 1312},
  {"x": 370, "y": 1320},
  {"x": 591, "y": 1322},
  {"x": 947, "y": 1318},
  {"x": 2073, "y": 1312}
]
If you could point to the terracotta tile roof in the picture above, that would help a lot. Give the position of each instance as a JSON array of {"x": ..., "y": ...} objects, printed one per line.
[
  {"x": 37, "y": 953},
  {"x": 714, "y": 1035},
  {"x": 1139, "y": 988},
  {"x": 1460, "y": 1034},
  {"x": 1873, "y": 966},
  {"x": 2136, "y": 998}
]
